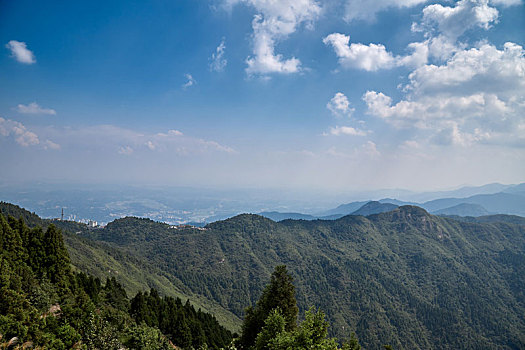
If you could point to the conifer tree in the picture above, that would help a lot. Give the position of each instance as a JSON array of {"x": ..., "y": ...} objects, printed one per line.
[{"x": 280, "y": 293}]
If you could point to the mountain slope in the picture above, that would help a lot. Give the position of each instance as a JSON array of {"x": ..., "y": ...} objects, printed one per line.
[
  {"x": 278, "y": 216},
  {"x": 134, "y": 273},
  {"x": 374, "y": 207},
  {"x": 463, "y": 209},
  {"x": 403, "y": 277},
  {"x": 501, "y": 203}
]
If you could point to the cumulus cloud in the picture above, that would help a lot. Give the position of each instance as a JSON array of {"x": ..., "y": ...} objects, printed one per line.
[
  {"x": 452, "y": 22},
  {"x": 367, "y": 9},
  {"x": 370, "y": 57},
  {"x": 483, "y": 68},
  {"x": 20, "y": 52},
  {"x": 191, "y": 81},
  {"x": 22, "y": 136},
  {"x": 373, "y": 57},
  {"x": 339, "y": 105},
  {"x": 347, "y": 130},
  {"x": 274, "y": 22},
  {"x": 217, "y": 60},
  {"x": 476, "y": 96},
  {"x": 34, "y": 108}
]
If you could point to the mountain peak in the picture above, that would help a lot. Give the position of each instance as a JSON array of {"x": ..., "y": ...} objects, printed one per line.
[{"x": 374, "y": 207}]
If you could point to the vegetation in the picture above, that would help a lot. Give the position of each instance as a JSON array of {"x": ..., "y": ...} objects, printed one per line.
[
  {"x": 44, "y": 303},
  {"x": 134, "y": 272},
  {"x": 272, "y": 324},
  {"x": 404, "y": 278}
]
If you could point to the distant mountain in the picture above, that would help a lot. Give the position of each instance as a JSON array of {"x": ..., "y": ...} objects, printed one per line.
[
  {"x": 466, "y": 191},
  {"x": 343, "y": 209},
  {"x": 463, "y": 209},
  {"x": 518, "y": 189},
  {"x": 278, "y": 216},
  {"x": 374, "y": 207},
  {"x": 501, "y": 203},
  {"x": 396, "y": 202}
]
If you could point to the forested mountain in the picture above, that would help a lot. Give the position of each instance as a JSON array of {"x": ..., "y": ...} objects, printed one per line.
[
  {"x": 45, "y": 304},
  {"x": 134, "y": 273},
  {"x": 403, "y": 277},
  {"x": 278, "y": 216}
]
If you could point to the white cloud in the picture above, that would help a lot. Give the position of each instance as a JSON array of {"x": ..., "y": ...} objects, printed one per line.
[
  {"x": 34, "y": 108},
  {"x": 20, "y": 52},
  {"x": 19, "y": 132},
  {"x": 347, "y": 130},
  {"x": 477, "y": 69},
  {"x": 477, "y": 96},
  {"x": 150, "y": 145},
  {"x": 419, "y": 56},
  {"x": 370, "y": 57},
  {"x": 367, "y": 9},
  {"x": 125, "y": 150},
  {"x": 217, "y": 60},
  {"x": 175, "y": 132},
  {"x": 373, "y": 57},
  {"x": 274, "y": 22},
  {"x": 191, "y": 81},
  {"x": 339, "y": 105},
  {"x": 432, "y": 111},
  {"x": 126, "y": 141},
  {"x": 454, "y": 21},
  {"x": 51, "y": 145}
]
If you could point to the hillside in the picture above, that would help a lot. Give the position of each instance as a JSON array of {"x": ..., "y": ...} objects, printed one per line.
[
  {"x": 463, "y": 209},
  {"x": 133, "y": 272},
  {"x": 278, "y": 216},
  {"x": 44, "y": 304},
  {"x": 403, "y": 277},
  {"x": 374, "y": 207}
]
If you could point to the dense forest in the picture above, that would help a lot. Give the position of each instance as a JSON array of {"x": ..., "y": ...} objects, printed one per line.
[
  {"x": 404, "y": 277},
  {"x": 45, "y": 304}
]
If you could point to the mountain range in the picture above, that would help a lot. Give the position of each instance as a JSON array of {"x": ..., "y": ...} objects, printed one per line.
[
  {"x": 402, "y": 277},
  {"x": 511, "y": 202}
]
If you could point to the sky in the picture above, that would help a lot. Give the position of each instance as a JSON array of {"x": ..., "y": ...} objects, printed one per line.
[{"x": 326, "y": 95}]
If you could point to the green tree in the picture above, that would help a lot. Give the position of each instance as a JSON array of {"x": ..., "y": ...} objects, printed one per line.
[
  {"x": 311, "y": 334},
  {"x": 280, "y": 293},
  {"x": 58, "y": 264},
  {"x": 352, "y": 344}
]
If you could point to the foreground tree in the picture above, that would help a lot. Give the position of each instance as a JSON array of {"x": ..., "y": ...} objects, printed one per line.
[
  {"x": 272, "y": 324},
  {"x": 279, "y": 294}
]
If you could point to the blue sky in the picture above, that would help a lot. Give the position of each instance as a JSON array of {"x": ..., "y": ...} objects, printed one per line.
[{"x": 342, "y": 94}]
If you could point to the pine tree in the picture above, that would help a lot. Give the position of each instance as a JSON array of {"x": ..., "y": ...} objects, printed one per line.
[
  {"x": 280, "y": 293},
  {"x": 57, "y": 264}
]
